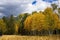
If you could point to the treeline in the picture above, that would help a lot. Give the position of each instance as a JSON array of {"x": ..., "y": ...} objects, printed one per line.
[{"x": 37, "y": 23}]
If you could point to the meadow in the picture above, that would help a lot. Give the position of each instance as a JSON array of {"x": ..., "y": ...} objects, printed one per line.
[{"x": 18, "y": 37}]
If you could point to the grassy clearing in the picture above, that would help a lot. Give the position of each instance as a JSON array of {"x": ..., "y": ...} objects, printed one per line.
[{"x": 16, "y": 37}]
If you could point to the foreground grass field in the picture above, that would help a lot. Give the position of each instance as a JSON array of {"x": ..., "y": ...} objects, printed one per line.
[{"x": 16, "y": 37}]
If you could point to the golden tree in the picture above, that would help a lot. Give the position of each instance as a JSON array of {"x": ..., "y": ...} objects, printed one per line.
[
  {"x": 58, "y": 25},
  {"x": 2, "y": 26},
  {"x": 35, "y": 22},
  {"x": 51, "y": 19}
]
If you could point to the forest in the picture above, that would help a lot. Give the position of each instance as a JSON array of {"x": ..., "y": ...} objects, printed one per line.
[{"x": 45, "y": 22}]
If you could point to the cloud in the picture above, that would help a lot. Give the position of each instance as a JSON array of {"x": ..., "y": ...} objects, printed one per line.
[
  {"x": 15, "y": 7},
  {"x": 1, "y": 15},
  {"x": 39, "y": 6}
]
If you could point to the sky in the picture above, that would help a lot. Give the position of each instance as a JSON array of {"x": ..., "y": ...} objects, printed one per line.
[{"x": 15, "y": 7}]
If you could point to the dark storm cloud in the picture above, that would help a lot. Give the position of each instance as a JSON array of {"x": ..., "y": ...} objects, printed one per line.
[
  {"x": 9, "y": 9},
  {"x": 15, "y": 7}
]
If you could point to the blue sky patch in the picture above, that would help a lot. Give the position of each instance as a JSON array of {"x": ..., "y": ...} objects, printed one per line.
[
  {"x": 50, "y": 0},
  {"x": 34, "y": 2}
]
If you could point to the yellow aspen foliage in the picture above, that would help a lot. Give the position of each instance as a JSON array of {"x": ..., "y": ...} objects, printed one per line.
[
  {"x": 56, "y": 20},
  {"x": 38, "y": 21},
  {"x": 58, "y": 25},
  {"x": 55, "y": 17},
  {"x": 2, "y": 26},
  {"x": 27, "y": 23},
  {"x": 51, "y": 18},
  {"x": 35, "y": 22},
  {"x": 17, "y": 25},
  {"x": 48, "y": 11}
]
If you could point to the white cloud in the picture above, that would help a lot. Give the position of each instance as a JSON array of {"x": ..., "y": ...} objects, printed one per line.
[
  {"x": 1, "y": 14},
  {"x": 59, "y": 3},
  {"x": 2, "y": 8},
  {"x": 40, "y": 5},
  {"x": 30, "y": 8},
  {"x": 1, "y": 3}
]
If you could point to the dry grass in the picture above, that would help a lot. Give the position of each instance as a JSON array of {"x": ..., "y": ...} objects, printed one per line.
[{"x": 16, "y": 37}]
